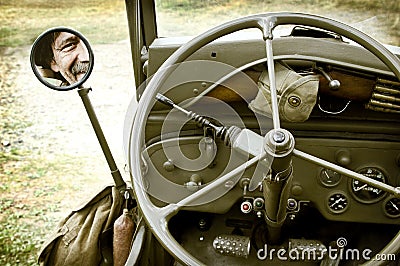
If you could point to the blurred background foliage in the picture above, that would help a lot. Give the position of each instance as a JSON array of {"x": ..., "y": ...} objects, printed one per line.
[
  {"x": 104, "y": 20},
  {"x": 23, "y": 20},
  {"x": 369, "y": 16}
]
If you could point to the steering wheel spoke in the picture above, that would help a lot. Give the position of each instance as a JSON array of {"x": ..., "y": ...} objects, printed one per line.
[
  {"x": 221, "y": 180},
  {"x": 272, "y": 84}
]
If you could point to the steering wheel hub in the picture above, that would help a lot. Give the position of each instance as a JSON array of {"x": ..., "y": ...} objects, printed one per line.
[{"x": 279, "y": 143}]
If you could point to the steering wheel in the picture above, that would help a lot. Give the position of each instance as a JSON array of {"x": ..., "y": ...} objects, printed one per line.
[{"x": 157, "y": 217}]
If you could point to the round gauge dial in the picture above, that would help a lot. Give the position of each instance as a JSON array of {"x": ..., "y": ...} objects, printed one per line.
[
  {"x": 337, "y": 202},
  {"x": 329, "y": 177},
  {"x": 392, "y": 207},
  {"x": 364, "y": 192}
]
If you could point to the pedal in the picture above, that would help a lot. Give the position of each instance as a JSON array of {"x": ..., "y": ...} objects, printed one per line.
[
  {"x": 306, "y": 250},
  {"x": 232, "y": 245}
]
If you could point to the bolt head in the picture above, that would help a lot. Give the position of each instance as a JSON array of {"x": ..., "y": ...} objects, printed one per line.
[{"x": 278, "y": 136}]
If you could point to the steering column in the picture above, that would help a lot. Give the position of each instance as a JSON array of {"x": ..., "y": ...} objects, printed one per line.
[{"x": 279, "y": 144}]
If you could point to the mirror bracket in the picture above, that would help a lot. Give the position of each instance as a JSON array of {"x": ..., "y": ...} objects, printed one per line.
[{"x": 116, "y": 174}]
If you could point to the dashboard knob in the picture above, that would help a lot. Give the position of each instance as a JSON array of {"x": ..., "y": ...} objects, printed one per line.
[
  {"x": 258, "y": 203},
  {"x": 343, "y": 157},
  {"x": 168, "y": 166},
  {"x": 334, "y": 84}
]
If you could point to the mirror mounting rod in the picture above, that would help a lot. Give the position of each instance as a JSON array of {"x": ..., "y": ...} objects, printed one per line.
[{"x": 119, "y": 182}]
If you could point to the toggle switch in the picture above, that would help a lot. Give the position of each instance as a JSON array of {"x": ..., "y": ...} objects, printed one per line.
[{"x": 334, "y": 84}]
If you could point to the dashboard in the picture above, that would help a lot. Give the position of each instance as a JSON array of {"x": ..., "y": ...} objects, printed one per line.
[{"x": 360, "y": 132}]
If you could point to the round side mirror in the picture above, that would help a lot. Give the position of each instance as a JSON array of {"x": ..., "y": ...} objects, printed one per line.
[{"x": 61, "y": 58}]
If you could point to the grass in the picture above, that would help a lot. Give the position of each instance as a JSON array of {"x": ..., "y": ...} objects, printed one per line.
[
  {"x": 32, "y": 194},
  {"x": 23, "y": 220},
  {"x": 20, "y": 211}
]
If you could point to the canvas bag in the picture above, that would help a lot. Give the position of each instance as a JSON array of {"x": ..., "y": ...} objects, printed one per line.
[
  {"x": 84, "y": 237},
  {"x": 297, "y": 94}
]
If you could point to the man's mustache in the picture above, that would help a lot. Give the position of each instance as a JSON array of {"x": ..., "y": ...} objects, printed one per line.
[{"x": 80, "y": 67}]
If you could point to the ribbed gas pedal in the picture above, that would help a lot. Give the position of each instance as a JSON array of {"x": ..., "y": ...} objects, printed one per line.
[{"x": 232, "y": 245}]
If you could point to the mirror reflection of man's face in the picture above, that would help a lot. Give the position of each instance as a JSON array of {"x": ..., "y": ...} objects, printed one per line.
[{"x": 71, "y": 57}]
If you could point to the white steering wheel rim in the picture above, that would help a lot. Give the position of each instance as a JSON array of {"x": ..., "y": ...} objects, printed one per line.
[{"x": 157, "y": 218}]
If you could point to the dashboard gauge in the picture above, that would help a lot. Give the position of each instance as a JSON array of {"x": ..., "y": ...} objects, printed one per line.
[
  {"x": 337, "y": 202},
  {"x": 392, "y": 207},
  {"x": 364, "y": 192},
  {"x": 329, "y": 177}
]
